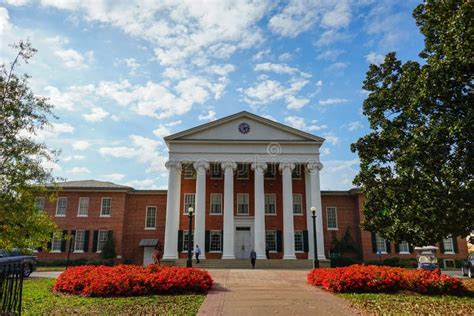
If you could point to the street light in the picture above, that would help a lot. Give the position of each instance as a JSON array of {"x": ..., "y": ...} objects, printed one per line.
[
  {"x": 189, "y": 263},
  {"x": 315, "y": 258}
]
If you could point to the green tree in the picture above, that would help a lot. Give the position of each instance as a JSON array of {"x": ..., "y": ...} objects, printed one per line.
[
  {"x": 108, "y": 251},
  {"x": 22, "y": 174},
  {"x": 417, "y": 162}
]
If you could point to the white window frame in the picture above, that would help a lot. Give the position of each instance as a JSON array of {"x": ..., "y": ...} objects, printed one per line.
[
  {"x": 211, "y": 203},
  {"x": 42, "y": 203},
  {"x": 186, "y": 204},
  {"x": 76, "y": 250},
  {"x": 215, "y": 232},
  {"x": 147, "y": 216},
  {"x": 297, "y": 173},
  {"x": 379, "y": 239},
  {"x": 273, "y": 195},
  {"x": 61, "y": 198},
  {"x": 83, "y": 198},
  {"x": 185, "y": 242},
  {"x": 335, "y": 217},
  {"x": 405, "y": 251},
  {"x": 451, "y": 251},
  {"x": 216, "y": 165},
  {"x": 274, "y": 233},
  {"x": 102, "y": 207},
  {"x": 300, "y": 196},
  {"x": 101, "y": 243},
  {"x": 188, "y": 171},
  {"x": 247, "y": 199},
  {"x": 54, "y": 241},
  {"x": 299, "y": 232}
]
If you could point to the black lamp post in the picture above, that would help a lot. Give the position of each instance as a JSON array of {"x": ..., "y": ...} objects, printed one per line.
[
  {"x": 189, "y": 263},
  {"x": 315, "y": 259}
]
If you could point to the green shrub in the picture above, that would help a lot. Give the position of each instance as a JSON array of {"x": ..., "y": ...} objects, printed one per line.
[
  {"x": 342, "y": 262},
  {"x": 108, "y": 251},
  {"x": 74, "y": 262}
]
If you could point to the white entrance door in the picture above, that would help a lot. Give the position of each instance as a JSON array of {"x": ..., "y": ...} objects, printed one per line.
[
  {"x": 243, "y": 242},
  {"x": 147, "y": 255}
]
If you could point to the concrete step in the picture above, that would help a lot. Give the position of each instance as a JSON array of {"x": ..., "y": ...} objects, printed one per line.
[{"x": 245, "y": 264}]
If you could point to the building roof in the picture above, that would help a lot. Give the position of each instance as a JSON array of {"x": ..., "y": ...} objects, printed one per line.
[{"x": 90, "y": 185}]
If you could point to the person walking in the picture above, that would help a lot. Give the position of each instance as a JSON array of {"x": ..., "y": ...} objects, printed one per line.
[
  {"x": 197, "y": 253},
  {"x": 157, "y": 253},
  {"x": 253, "y": 258}
]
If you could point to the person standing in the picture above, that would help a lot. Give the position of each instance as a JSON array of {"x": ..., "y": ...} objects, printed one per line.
[
  {"x": 253, "y": 258},
  {"x": 157, "y": 253},
  {"x": 197, "y": 253}
]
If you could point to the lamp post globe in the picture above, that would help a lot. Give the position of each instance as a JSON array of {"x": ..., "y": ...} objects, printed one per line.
[
  {"x": 315, "y": 244},
  {"x": 189, "y": 262}
]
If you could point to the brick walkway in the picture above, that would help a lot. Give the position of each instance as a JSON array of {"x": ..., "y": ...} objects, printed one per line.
[{"x": 265, "y": 292}]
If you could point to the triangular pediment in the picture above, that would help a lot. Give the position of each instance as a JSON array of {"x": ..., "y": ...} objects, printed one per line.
[{"x": 244, "y": 126}]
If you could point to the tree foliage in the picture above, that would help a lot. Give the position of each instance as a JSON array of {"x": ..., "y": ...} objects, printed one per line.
[
  {"x": 108, "y": 251},
  {"x": 417, "y": 163},
  {"x": 22, "y": 171}
]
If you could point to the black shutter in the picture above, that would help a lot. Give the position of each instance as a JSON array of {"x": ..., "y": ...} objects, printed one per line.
[
  {"x": 110, "y": 234},
  {"x": 305, "y": 241},
  {"x": 279, "y": 241},
  {"x": 455, "y": 245},
  {"x": 72, "y": 241},
  {"x": 410, "y": 248},
  {"x": 94, "y": 241},
  {"x": 63, "y": 241},
  {"x": 397, "y": 247},
  {"x": 49, "y": 243},
  {"x": 222, "y": 240},
  {"x": 180, "y": 240},
  {"x": 86, "y": 241},
  {"x": 374, "y": 243},
  {"x": 208, "y": 241},
  {"x": 389, "y": 249},
  {"x": 441, "y": 246}
]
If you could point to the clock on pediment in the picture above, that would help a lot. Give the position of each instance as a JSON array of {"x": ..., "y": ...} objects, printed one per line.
[{"x": 244, "y": 128}]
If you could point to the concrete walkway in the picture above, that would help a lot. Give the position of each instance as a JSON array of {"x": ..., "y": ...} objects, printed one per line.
[{"x": 269, "y": 292}]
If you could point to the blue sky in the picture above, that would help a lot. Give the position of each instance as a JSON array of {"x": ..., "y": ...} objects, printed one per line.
[{"x": 123, "y": 74}]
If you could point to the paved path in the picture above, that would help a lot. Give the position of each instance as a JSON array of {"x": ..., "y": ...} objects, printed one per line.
[
  {"x": 46, "y": 274},
  {"x": 269, "y": 292}
]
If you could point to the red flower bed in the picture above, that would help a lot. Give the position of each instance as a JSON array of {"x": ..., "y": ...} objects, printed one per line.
[
  {"x": 131, "y": 280},
  {"x": 383, "y": 279}
]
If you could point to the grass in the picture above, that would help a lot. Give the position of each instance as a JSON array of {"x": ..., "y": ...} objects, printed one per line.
[
  {"x": 38, "y": 299},
  {"x": 413, "y": 304}
]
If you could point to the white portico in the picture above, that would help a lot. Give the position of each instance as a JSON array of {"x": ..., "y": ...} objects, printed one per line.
[{"x": 264, "y": 147}]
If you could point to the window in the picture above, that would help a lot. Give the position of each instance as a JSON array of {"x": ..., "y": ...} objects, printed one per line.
[
  {"x": 188, "y": 171},
  {"x": 56, "y": 244},
  {"x": 79, "y": 241},
  {"x": 271, "y": 171},
  {"x": 83, "y": 206},
  {"x": 331, "y": 216},
  {"x": 448, "y": 245},
  {"x": 404, "y": 247},
  {"x": 216, "y": 171},
  {"x": 189, "y": 201},
  {"x": 242, "y": 171},
  {"x": 61, "y": 206},
  {"x": 296, "y": 174},
  {"x": 216, "y": 203},
  {"x": 242, "y": 204},
  {"x": 215, "y": 237},
  {"x": 150, "y": 222},
  {"x": 106, "y": 206},
  {"x": 39, "y": 203},
  {"x": 381, "y": 244},
  {"x": 102, "y": 239},
  {"x": 270, "y": 240},
  {"x": 297, "y": 204},
  {"x": 270, "y": 207},
  {"x": 186, "y": 239},
  {"x": 299, "y": 243},
  {"x": 449, "y": 263}
]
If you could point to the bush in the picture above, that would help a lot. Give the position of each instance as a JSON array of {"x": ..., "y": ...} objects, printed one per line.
[
  {"x": 132, "y": 280},
  {"x": 108, "y": 251},
  {"x": 383, "y": 279},
  {"x": 342, "y": 262},
  {"x": 394, "y": 262},
  {"x": 74, "y": 262}
]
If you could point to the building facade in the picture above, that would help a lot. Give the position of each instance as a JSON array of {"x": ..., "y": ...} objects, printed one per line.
[{"x": 250, "y": 183}]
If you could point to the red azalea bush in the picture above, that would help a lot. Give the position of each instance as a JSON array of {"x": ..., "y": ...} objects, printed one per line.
[
  {"x": 383, "y": 279},
  {"x": 132, "y": 280}
]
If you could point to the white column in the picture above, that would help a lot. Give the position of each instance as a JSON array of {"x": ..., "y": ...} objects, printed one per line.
[
  {"x": 172, "y": 210},
  {"x": 314, "y": 169},
  {"x": 259, "y": 168},
  {"x": 200, "y": 211},
  {"x": 309, "y": 220},
  {"x": 228, "y": 247},
  {"x": 288, "y": 226}
]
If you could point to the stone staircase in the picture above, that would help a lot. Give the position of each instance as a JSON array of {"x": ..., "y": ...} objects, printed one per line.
[{"x": 245, "y": 264}]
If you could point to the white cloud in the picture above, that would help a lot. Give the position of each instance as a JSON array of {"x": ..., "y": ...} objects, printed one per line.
[
  {"x": 278, "y": 68},
  {"x": 300, "y": 123},
  {"x": 209, "y": 116},
  {"x": 81, "y": 145},
  {"x": 285, "y": 57},
  {"x": 162, "y": 131},
  {"x": 337, "y": 67},
  {"x": 53, "y": 130},
  {"x": 73, "y": 157},
  {"x": 71, "y": 98},
  {"x": 352, "y": 126},
  {"x": 73, "y": 59},
  {"x": 339, "y": 174},
  {"x": 331, "y": 138},
  {"x": 141, "y": 184},
  {"x": 319, "y": 86},
  {"x": 5, "y": 25},
  {"x": 114, "y": 177},
  {"x": 332, "y": 101},
  {"x": 78, "y": 170},
  {"x": 132, "y": 64},
  {"x": 17, "y": 3},
  {"x": 261, "y": 54},
  {"x": 97, "y": 115},
  {"x": 330, "y": 54},
  {"x": 374, "y": 58}
]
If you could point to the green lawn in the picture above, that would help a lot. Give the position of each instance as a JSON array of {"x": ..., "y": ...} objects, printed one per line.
[
  {"x": 38, "y": 299},
  {"x": 41, "y": 269}
]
